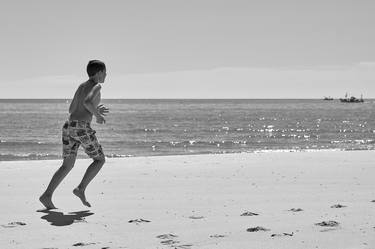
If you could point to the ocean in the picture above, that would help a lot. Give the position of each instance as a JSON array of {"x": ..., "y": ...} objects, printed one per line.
[{"x": 31, "y": 129}]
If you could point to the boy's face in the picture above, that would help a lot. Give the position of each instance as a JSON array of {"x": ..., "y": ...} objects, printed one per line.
[{"x": 101, "y": 76}]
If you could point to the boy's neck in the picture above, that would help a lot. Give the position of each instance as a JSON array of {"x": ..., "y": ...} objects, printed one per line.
[{"x": 92, "y": 81}]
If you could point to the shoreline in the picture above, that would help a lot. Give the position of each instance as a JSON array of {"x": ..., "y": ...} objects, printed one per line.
[
  {"x": 83, "y": 156},
  {"x": 247, "y": 200}
]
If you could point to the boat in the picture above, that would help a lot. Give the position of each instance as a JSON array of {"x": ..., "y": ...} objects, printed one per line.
[
  {"x": 328, "y": 98},
  {"x": 351, "y": 99}
]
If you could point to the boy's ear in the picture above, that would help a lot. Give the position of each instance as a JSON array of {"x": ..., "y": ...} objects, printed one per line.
[{"x": 96, "y": 74}]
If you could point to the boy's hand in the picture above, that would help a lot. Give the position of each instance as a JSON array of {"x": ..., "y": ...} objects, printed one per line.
[
  {"x": 102, "y": 110},
  {"x": 100, "y": 119}
]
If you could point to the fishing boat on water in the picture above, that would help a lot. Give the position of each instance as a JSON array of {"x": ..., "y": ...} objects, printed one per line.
[{"x": 351, "y": 99}]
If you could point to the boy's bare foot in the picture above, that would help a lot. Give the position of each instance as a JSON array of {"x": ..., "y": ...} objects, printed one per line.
[
  {"x": 47, "y": 201},
  {"x": 81, "y": 195}
]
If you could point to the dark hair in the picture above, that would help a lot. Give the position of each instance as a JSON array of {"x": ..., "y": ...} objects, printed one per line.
[{"x": 95, "y": 66}]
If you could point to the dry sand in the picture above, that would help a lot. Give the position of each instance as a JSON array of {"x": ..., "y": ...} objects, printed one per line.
[{"x": 265, "y": 200}]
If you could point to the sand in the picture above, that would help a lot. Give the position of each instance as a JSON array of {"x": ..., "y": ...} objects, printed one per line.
[{"x": 272, "y": 200}]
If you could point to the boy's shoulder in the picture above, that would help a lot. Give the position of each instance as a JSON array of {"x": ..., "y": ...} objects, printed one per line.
[
  {"x": 83, "y": 84},
  {"x": 85, "y": 87},
  {"x": 89, "y": 86},
  {"x": 81, "y": 89}
]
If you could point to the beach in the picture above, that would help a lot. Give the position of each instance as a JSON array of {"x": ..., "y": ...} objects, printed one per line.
[{"x": 319, "y": 199}]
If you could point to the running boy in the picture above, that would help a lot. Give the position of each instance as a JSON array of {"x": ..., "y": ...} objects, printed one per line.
[{"x": 77, "y": 131}]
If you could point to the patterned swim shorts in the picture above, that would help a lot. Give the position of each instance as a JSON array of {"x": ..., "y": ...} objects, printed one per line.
[{"x": 76, "y": 133}]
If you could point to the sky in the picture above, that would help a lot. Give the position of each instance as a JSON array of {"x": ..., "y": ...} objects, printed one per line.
[{"x": 189, "y": 49}]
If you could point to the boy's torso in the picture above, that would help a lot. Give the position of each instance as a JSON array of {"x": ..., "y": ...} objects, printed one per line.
[{"x": 77, "y": 109}]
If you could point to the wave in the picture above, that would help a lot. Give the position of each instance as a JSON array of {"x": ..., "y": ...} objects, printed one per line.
[
  {"x": 34, "y": 156},
  {"x": 44, "y": 156},
  {"x": 354, "y": 141},
  {"x": 31, "y": 156},
  {"x": 143, "y": 130},
  {"x": 118, "y": 156},
  {"x": 26, "y": 143}
]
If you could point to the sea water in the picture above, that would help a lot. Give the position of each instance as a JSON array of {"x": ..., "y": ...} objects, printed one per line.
[{"x": 31, "y": 129}]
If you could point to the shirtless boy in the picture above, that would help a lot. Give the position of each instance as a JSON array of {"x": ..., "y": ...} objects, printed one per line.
[{"x": 77, "y": 131}]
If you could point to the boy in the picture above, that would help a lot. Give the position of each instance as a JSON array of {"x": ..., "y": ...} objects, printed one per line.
[{"x": 77, "y": 131}]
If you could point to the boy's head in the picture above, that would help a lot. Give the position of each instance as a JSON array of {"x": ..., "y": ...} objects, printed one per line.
[{"x": 96, "y": 69}]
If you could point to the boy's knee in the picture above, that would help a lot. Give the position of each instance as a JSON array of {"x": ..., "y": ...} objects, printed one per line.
[
  {"x": 100, "y": 159},
  {"x": 68, "y": 162},
  {"x": 67, "y": 166}
]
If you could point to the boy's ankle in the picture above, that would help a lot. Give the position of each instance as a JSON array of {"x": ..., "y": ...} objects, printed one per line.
[
  {"x": 79, "y": 188},
  {"x": 47, "y": 194}
]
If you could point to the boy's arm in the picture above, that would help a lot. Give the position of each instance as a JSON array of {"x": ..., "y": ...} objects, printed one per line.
[{"x": 89, "y": 103}]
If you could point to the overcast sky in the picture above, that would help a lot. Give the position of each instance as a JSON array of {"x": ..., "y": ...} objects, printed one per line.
[{"x": 189, "y": 48}]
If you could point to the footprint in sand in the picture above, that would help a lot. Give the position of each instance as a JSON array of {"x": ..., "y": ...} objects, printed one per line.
[
  {"x": 14, "y": 224},
  {"x": 187, "y": 246},
  {"x": 169, "y": 242},
  {"x": 83, "y": 244},
  {"x": 338, "y": 206},
  {"x": 169, "y": 239},
  {"x": 137, "y": 221},
  {"x": 196, "y": 217},
  {"x": 281, "y": 234},
  {"x": 330, "y": 223},
  {"x": 166, "y": 236},
  {"x": 257, "y": 229},
  {"x": 295, "y": 209},
  {"x": 249, "y": 214}
]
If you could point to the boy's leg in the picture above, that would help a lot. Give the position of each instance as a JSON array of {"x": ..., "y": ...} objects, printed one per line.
[
  {"x": 94, "y": 150},
  {"x": 91, "y": 172},
  {"x": 59, "y": 175}
]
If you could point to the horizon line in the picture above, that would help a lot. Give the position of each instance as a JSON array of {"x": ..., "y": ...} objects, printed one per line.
[{"x": 286, "y": 98}]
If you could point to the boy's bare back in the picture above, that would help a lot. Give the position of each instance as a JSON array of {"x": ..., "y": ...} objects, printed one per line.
[{"x": 78, "y": 108}]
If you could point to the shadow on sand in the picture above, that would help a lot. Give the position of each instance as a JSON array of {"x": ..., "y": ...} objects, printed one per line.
[{"x": 61, "y": 219}]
